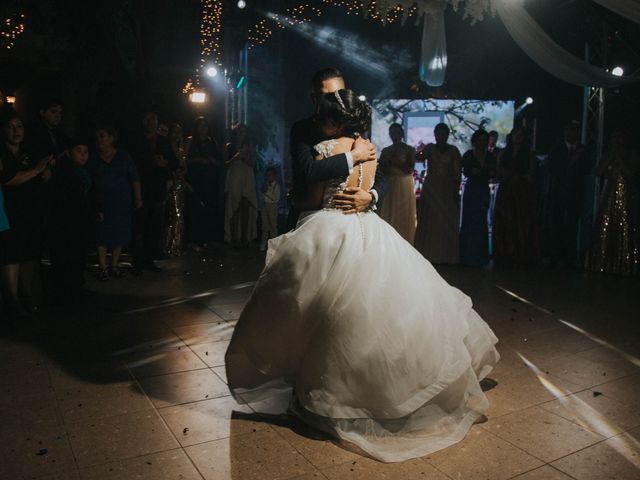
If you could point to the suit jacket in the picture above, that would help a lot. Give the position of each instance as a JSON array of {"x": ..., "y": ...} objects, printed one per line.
[
  {"x": 567, "y": 174},
  {"x": 306, "y": 170}
]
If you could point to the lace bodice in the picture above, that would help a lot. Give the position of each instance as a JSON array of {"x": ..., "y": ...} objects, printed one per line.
[{"x": 335, "y": 185}]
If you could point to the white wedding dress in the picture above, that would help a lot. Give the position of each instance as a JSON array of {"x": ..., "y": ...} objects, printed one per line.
[{"x": 355, "y": 325}]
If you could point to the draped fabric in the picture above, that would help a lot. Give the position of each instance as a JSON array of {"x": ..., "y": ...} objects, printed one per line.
[
  {"x": 551, "y": 56},
  {"x": 433, "y": 66},
  {"x": 629, "y": 9}
]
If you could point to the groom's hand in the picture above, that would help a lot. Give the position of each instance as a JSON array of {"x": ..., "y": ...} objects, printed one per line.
[
  {"x": 363, "y": 151},
  {"x": 353, "y": 200}
]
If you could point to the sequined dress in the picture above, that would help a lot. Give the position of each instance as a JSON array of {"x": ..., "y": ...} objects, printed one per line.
[
  {"x": 352, "y": 328},
  {"x": 615, "y": 244}
]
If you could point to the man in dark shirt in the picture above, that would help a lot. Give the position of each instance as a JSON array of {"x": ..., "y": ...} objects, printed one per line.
[{"x": 149, "y": 152}]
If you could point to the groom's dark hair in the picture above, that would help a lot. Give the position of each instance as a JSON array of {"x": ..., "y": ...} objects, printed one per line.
[{"x": 322, "y": 75}]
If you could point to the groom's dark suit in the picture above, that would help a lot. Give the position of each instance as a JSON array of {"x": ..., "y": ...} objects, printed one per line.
[{"x": 306, "y": 170}]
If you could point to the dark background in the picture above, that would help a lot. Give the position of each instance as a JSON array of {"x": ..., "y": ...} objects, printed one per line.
[{"x": 108, "y": 59}]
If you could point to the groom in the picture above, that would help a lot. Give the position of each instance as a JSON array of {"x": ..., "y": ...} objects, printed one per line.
[{"x": 307, "y": 171}]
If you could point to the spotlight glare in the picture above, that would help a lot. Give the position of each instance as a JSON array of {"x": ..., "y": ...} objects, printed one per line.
[
  {"x": 242, "y": 3},
  {"x": 212, "y": 71},
  {"x": 529, "y": 100},
  {"x": 198, "y": 97},
  {"x": 618, "y": 71},
  {"x": 11, "y": 99},
  {"x": 362, "y": 98}
]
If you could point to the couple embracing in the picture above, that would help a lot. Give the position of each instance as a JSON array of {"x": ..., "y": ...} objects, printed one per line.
[{"x": 349, "y": 327}]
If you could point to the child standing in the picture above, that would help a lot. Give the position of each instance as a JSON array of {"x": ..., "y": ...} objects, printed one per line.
[
  {"x": 269, "y": 211},
  {"x": 70, "y": 221}
]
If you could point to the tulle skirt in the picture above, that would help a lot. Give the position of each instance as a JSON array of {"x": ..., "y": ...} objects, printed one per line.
[{"x": 350, "y": 321}]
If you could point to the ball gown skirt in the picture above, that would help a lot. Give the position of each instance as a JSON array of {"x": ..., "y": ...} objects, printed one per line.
[{"x": 358, "y": 330}]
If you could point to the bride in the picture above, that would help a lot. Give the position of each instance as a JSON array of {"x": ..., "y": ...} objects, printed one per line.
[{"x": 391, "y": 365}]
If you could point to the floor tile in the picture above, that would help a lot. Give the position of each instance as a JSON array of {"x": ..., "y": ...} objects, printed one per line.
[
  {"x": 315, "y": 446},
  {"x": 209, "y": 420},
  {"x": 221, "y": 372},
  {"x": 260, "y": 455},
  {"x": 191, "y": 313},
  {"x": 184, "y": 387},
  {"x": 158, "y": 362},
  {"x": 173, "y": 464},
  {"x": 204, "y": 333},
  {"x": 617, "y": 458},
  {"x": 229, "y": 311},
  {"x": 483, "y": 456},
  {"x": 585, "y": 372},
  {"x": 97, "y": 401},
  {"x": 625, "y": 390},
  {"x": 35, "y": 450},
  {"x": 543, "y": 473},
  {"x": 116, "y": 438},
  {"x": 598, "y": 413},
  {"x": 367, "y": 469},
  {"x": 541, "y": 434},
  {"x": 211, "y": 353}
]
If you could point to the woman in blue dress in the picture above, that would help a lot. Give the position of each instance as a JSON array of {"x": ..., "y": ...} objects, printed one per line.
[
  {"x": 478, "y": 166},
  {"x": 117, "y": 190}
]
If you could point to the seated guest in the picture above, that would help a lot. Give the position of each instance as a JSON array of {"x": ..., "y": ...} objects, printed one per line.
[
  {"x": 23, "y": 182},
  {"x": 70, "y": 221}
]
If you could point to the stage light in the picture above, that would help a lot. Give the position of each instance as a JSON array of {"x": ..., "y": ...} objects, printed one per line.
[
  {"x": 618, "y": 71},
  {"x": 242, "y": 4},
  {"x": 362, "y": 98},
  {"x": 240, "y": 81},
  {"x": 11, "y": 99},
  {"x": 529, "y": 100},
  {"x": 198, "y": 97},
  {"x": 212, "y": 71}
]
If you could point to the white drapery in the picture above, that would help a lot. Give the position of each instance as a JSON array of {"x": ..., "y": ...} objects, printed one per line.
[
  {"x": 551, "y": 56},
  {"x": 433, "y": 64},
  {"x": 629, "y": 9}
]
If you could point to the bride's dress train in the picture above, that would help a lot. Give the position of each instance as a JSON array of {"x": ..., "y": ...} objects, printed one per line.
[{"x": 392, "y": 366}]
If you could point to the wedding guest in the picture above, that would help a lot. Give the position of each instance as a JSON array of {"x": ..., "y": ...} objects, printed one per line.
[
  {"x": 117, "y": 189},
  {"x": 515, "y": 233},
  {"x": 149, "y": 155},
  {"x": 22, "y": 179},
  {"x": 240, "y": 190},
  {"x": 493, "y": 143},
  {"x": 46, "y": 137},
  {"x": 174, "y": 223},
  {"x": 437, "y": 236},
  {"x": 70, "y": 221},
  {"x": 615, "y": 244},
  {"x": 269, "y": 211},
  {"x": 568, "y": 168},
  {"x": 205, "y": 177},
  {"x": 397, "y": 163},
  {"x": 478, "y": 166}
]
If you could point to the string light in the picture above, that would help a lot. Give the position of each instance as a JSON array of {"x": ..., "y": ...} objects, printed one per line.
[{"x": 10, "y": 29}]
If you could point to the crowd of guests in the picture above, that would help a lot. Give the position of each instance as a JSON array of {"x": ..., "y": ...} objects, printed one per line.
[
  {"x": 156, "y": 194},
  {"x": 507, "y": 205}
]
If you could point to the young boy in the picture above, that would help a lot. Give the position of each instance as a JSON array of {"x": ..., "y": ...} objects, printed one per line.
[
  {"x": 70, "y": 221},
  {"x": 269, "y": 212}
]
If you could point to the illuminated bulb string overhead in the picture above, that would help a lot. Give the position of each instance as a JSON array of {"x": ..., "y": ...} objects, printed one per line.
[
  {"x": 10, "y": 29},
  {"x": 210, "y": 50}
]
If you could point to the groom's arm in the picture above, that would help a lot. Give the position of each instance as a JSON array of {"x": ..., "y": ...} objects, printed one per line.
[
  {"x": 306, "y": 169},
  {"x": 379, "y": 188}
]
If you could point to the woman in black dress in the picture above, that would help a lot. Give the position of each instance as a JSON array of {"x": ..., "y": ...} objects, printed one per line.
[{"x": 23, "y": 183}]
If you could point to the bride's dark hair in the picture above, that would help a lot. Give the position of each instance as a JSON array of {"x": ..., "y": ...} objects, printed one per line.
[{"x": 344, "y": 109}]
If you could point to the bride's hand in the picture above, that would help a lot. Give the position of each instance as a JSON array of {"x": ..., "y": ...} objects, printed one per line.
[
  {"x": 353, "y": 200},
  {"x": 363, "y": 151}
]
